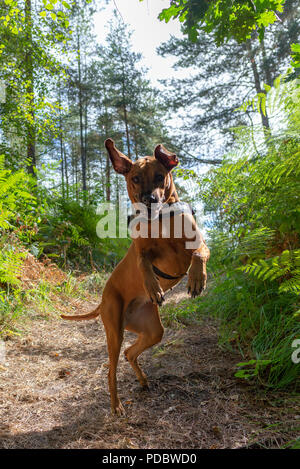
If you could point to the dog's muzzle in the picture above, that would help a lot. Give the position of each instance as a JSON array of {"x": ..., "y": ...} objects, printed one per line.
[{"x": 149, "y": 199}]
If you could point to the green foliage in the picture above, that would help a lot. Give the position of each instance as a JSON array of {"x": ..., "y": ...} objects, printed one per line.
[
  {"x": 17, "y": 199},
  {"x": 11, "y": 262},
  {"x": 12, "y": 256},
  {"x": 295, "y": 444},
  {"x": 94, "y": 283},
  {"x": 246, "y": 193},
  {"x": 211, "y": 92},
  {"x": 256, "y": 321},
  {"x": 68, "y": 235},
  {"x": 285, "y": 267},
  {"x": 226, "y": 19},
  {"x": 11, "y": 309},
  {"x": 295, "y": 63},
  {"x": 295, "y": 55},
  {"x": 184, "y": 313},
  {"x": 255, "y": 242},
  {"x": 251, "y": 372},
  {"x": 18, "y": 216},
  {"x": 32, "y": 39}
]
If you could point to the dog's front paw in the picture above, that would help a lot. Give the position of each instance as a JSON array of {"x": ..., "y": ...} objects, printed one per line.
[
  {"x": 155, "y": 292},
  {"x": 196, "y": 282}
]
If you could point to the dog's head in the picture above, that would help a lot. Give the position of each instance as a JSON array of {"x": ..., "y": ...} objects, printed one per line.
[{"x": 149, "y": 179}]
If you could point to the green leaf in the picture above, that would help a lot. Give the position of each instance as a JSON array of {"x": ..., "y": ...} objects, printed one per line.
[
  {"x": 168, "y": 13},
  {"x": 295, "y": 47},
  {"x": 266, "y": 18},
  {"x": 276, "y": 82},
  {"x": 66, "y": 5},
  {"x": 250, "y": 362},
  {"x": 263, "y": 104},
  {"x": 193, "y": 34}
]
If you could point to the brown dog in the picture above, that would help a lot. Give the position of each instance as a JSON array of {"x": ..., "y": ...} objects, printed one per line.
[{"x": 151, "y": 266}]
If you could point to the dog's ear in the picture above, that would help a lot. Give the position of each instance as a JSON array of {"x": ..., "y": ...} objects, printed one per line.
[
  {"x": 168, "y": 159},
  {"x": 121, "y": 163}
]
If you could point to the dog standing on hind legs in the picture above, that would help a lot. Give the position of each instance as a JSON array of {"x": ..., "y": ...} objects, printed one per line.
[{"x": 151, "y": 266}]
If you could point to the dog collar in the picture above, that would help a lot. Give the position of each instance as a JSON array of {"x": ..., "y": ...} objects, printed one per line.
[{"x": 166, "y": 276}]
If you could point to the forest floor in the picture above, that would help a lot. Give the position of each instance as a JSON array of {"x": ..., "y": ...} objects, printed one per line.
[{"x": 53, "y": 392}]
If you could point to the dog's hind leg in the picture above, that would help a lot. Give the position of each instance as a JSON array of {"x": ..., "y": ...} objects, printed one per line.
[
  {"x": 143, "y": 319},
  {"x": 111, "y": 314}
]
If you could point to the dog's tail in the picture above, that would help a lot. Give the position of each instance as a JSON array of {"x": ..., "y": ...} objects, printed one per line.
[{"x": 83, "y": 317}]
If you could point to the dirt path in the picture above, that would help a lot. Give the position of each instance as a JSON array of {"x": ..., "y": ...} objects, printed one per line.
[{"x": 53, "y": 393}]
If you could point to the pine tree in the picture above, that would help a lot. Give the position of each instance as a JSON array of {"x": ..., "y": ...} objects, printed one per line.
[
  {"x": 32, "y": 39},
  {"x": 222, "y": 78},
  {"x": 127, "y": 106}
]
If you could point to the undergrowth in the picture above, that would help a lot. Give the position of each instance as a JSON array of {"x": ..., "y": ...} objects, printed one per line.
[
  {"x": 253, "y": 203},
  {"x": 46, "y": 299},
  {"x": 38, "y": 228}
]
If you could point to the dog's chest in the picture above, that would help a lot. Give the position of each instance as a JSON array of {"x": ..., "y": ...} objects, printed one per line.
[{"x": 170, "y": 256}]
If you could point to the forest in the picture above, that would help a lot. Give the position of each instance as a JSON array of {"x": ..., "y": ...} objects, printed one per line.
[{"x": 230, "y": 110}]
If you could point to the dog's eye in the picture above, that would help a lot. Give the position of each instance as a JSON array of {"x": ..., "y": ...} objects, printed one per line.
[
  {"x": 135, "y": 179},
  {"x": 159, "y": 178}
]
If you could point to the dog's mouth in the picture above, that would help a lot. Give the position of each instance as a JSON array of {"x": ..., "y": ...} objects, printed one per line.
[
  {"x": 153, "y": 210},
  {"x": 149, "y": 211}
]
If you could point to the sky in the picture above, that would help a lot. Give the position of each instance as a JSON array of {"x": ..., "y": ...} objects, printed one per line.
[{"x": 149, "y": 32}]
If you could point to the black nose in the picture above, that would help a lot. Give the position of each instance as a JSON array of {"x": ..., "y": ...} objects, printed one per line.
[{"x": 149, "y": 199}]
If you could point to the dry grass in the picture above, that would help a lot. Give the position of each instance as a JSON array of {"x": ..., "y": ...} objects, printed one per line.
[
  {"x": 34, "y": 271},
  {"x": 53, "y": 393}
]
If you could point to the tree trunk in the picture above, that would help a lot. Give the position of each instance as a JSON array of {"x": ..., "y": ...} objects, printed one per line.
[
  {"x": 136, "y": 144},
  {"x": 266, "y": 66},
  {"x": 85, "y": 144},
  {"x": 76, "y": 175},
  {"x": 62, "y": 169},
  {"x": 66, "y": 173},
  {"x": 127, "y": 130},
  {"x": 80, "y": 104},
  {"x": 264, "y": 117},
  {"x": 87, "y": 165},
  {"x": 30, "y": 137},
  {"x": 125, "y": 111},
  {"x": 107, "y": 179},
  {"x": 107, "y": 162}
]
